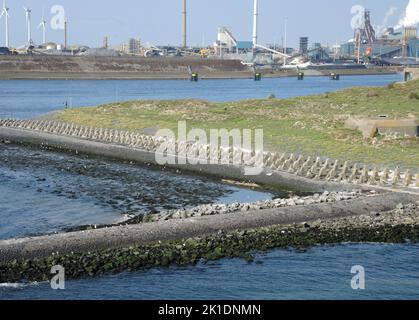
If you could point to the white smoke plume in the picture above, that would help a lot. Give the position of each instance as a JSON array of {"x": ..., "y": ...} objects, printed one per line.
[
  {"x": 411, "y": 15},
  {"x": 390, "y": 12}
]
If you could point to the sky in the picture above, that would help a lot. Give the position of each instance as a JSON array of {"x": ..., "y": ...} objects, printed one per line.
[{"x": 158, "y": 22}]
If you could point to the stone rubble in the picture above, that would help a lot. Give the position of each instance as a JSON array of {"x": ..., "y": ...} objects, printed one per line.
[
  {"x": 407, "y": 215},
  {"x": 214, "y": 209},
  {"x": 397, "y": 226}
]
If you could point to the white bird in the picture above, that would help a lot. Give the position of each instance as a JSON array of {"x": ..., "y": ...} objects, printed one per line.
[{"x": 5, "y": 13}]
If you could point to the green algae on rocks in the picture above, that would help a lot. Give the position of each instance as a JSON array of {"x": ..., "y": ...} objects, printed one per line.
[{"x": 239, "y": 244}]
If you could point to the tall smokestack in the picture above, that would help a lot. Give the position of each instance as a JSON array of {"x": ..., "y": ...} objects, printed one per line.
[
  {"x": 65, "y": 34},
  {"x": 255, "y": 23},
  {"x": 184, "y": 25}
]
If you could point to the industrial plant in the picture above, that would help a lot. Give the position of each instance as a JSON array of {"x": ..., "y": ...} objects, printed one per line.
[{"x": 395, "y": 47}]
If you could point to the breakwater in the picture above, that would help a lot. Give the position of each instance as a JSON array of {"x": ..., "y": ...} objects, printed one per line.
[
  {"x": 214, "y": 232},
  {"x": 90, "y": 190},
  {"x": 396, "y": 226},
  {"x": 292, "y": 170},
  {"x": 214, "y": 209},
  {"x": 146, "y": 233}
]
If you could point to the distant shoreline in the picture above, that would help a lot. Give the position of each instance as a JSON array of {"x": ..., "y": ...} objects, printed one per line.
[
  {"x": 140, "y": 68},
  {"x": 177, "y": 76}
]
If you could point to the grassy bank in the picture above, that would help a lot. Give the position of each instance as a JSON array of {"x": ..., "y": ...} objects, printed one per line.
[{"x": 312, "y": 125}]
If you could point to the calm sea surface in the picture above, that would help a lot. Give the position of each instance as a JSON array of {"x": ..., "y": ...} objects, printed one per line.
[
  {"x": 391, "y": 272},
  {"x": 29, "y": 98}
]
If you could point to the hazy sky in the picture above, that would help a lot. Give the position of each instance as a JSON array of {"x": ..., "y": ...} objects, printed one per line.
[{"x": 159, "y": 21}]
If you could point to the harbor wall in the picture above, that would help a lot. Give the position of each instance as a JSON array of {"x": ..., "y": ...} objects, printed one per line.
[
  {"x": 143, "y": 156},
  {"x": 298, "y": 172},
  {"x": 149, "y": 233},
  {"x": 99, "y": 249}
]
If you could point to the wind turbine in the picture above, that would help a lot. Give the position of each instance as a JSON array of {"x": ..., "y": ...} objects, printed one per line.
[
  {"x": 43, "y": 25},
  {"x": 5, "y": 12},
  {"x": 285, "y": 41},
  {"x": 28, "y": 24},
  {"x": 255, "y": 24}
]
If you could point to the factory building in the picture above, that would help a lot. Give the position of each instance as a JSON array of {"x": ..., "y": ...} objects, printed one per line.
[
  {"x": 134, "y": 46},
  {"x": 413, "y": 48},
  {"x": 105, "y": 43},
  {"x": 389, "y": 45},
  {"x": 4, "y": 51},
  {"x": 392, "y": 44},
  {"x": 318, "y": 53},
  {"x": 225, "y": 39},
  {"x": 347, "y": 49},
  {"x": 391, "y": 37},
  {"x": 227, "y": 43},
  {"x": 303, "y": 45},
  {"x": 410, "y": 33},
  {"x": 244, "y": 46}
]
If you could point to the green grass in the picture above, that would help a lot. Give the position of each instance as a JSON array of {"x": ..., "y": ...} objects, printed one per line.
[{"x": 311, "y": 125}]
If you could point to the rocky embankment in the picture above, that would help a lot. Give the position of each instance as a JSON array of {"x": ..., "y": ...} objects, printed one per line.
[
  {"x": 295, "y": 171},
  {"x": 223, "y": 209},
  {"x": 213, "y": 231},
  {"x": 395, "y": 226},
  {"x": 214, "y": 209}
]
